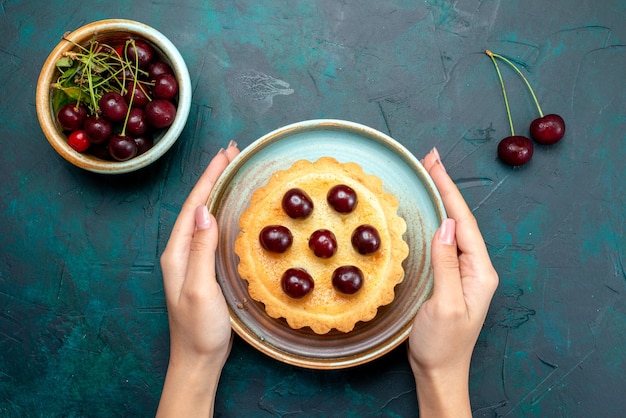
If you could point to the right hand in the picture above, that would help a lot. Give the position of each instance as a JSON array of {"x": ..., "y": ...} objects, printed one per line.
[{"x": 447, "y": 325}]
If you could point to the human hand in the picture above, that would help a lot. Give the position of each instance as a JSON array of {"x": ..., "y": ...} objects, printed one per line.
[
  {"x": 446, "y": 328},
  {"x": 200, "y": 333}
]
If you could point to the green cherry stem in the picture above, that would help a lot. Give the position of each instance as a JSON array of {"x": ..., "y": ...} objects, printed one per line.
[
  {"x": 506, "y": 100},
  {"x": 492, "y": 55},
  {"x": 90, "y": 82},
  {"x": 135, "y": 82}
]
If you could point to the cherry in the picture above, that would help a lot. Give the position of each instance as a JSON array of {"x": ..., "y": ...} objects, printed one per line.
[
  {"x": 98, "y": 129},
  {"x": 113, "y": 106},
  {"x": 100, "y": 151},
  {"x": 165, "y": 87},
  {"x": 342, "y": 198},
  {"x": 157, "y": 68},
  {"x": 140, "y": 52},
  {"x": 119, "y": 50},
  {"x": 122, "y": 147},
  {"x": 138, "y": 93},
  {"x": 323, "y": 243},
  {"x": 548, "y": 129},
  {"x": 365, "y": 239},
  {"x": 136, "y": 124},
  {"x": 78, "y": 141},
  {"x": 72, "y": 116},
  {"x": 515, "y": 150},
  {"x": 347, "y": 279},
  {"x": 160, "y": 113},
  {"x": 297, "y": 204},
  {"x": 297, "y": 283},
  {"x": 144, "y": 142},
  {"x": 275, "y": 238}
]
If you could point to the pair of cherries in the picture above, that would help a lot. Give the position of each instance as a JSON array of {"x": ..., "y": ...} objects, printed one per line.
[{"x": 517, "y": 150}]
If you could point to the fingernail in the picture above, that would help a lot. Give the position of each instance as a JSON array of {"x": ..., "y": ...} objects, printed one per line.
[
  {"x": 447, "y": 231},
  {"x": 221, "y": 151},
  {"x": 232, "y": 143},
  {"x": 203, "y": 220},
  {"x": 438, "y": 157}
]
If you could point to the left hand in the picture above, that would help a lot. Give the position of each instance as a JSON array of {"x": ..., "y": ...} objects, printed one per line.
[{"x": 200, "y": 333}]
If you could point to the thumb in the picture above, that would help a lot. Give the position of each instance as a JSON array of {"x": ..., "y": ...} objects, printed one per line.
[
  {"x": 201, "y": 265},
  {"x": 445, "y": 261}
]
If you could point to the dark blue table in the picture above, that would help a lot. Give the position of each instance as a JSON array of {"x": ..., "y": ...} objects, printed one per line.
[{"x": 83, "y": 324}]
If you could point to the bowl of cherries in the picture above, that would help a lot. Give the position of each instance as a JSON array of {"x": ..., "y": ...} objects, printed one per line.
[{"x": 113, "y": 96}]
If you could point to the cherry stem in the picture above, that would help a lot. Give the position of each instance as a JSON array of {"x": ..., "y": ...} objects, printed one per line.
[
  {"x": 90, "y": 62},
  {"x": 135, "y": 82},
  {"x": 506, "y": 100},
  {"x": 492, "y": 54},
  {"x": 87, "y": 68}
]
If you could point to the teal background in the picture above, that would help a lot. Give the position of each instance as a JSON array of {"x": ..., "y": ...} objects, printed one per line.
[{"x": 83, "y": 324}]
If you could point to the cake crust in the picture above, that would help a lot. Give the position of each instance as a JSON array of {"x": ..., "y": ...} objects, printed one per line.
[{"x": 324, "y": 308}]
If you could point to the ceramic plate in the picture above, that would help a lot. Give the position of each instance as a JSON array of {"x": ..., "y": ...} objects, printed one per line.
[{"x": 402, "y": 175}]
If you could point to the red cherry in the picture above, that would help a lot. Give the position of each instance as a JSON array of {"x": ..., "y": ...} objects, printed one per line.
[
  {"x": 297, "y": 283},
  {"x": 141, "y": 52},
  {"x": 276, "y": 238},
  {"x": 98, "y": 129},
  {"x": 365, "y": 239},
  {"x": 122, "y": 147},
  {"x": 347, "y": 279},
  {"x": 138, "y": 94},
  {"x": 136, "y": 124},
  {"x": 160, "y": 113},
  {"x": 144, "y": 142},
  {"x": 113, "y": 106},
  {"x": 342, "y": 198},
  {"x": 323, "y": 243},
  {"x": 157, "y": 68},
  {"x": 547, "y": 130},
  {"x": 120, "y": 50},
  {"x": 78, "y": 141},
  {"x": 165, "y": 87},
  {"x": 72, "y": 116},
  {"x": 515, "y": 150},
  {"x": 297, "y": 204}
]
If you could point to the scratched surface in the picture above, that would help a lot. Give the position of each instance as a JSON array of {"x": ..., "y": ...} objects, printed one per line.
[{"x": 83, "y": 326}]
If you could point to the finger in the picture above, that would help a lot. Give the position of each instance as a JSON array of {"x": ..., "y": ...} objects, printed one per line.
[
  {"x": 201, "y": 265},
  {"x": 475, "y": 257},
  {"x": 201, "y": 191},
  {"x": 447, "y": 286},
  {"x": 452, "y": 198},
  {"x": 232, "y": 151},
  {"x": 207, "y": 180},
  {"x": 201, "y": 261},
  {"x": 185, "y": 224},
  {"x": 175, "y": 256},
  {"x": 469, "y": 238}
]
